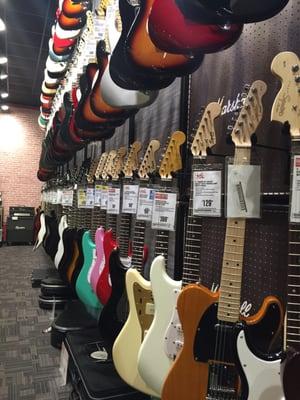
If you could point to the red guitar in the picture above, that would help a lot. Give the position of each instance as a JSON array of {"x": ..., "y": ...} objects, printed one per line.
[{"x": 171, "y": 31}]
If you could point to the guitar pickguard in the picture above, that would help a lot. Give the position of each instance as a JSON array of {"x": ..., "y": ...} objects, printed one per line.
[{"x": 144, "y": 307}]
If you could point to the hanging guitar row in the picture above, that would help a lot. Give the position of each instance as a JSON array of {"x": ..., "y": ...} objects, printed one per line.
[
  {"x": 180, "y": 339},
  {"x": 108, "y": 59}
]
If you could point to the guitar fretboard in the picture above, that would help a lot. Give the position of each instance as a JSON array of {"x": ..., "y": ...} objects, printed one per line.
[
  {"x": 232, "y": 268},
  {"x": 293, "y": 293},
  {"x": 162, "y": 244},
  {"x": 124, "y": 234},
  {"x": 192, "y": 248},
  {"x": 138, "y": 244},
  {"x": 112, "y": 220}
]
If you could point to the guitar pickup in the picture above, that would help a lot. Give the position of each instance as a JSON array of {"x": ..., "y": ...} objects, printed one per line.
[{"x": 150, "y": 309}]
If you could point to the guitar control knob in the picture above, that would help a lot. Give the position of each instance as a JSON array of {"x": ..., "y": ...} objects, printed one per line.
[{"x": 295, "y": 68}]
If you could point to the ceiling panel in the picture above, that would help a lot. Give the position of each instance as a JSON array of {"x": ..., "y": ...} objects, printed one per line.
[{"x": 28, "y": 30}]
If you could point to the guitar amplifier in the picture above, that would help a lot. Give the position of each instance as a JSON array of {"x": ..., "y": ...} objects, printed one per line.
[{"x": 19, "y": 229}]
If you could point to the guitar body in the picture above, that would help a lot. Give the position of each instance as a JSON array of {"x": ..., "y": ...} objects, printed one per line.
[
  {"x": 75, "y": 255},
  {"x": 290, "y": 374},
  {"x": 171, "y": 31},
  {"x": 68, "y": 240},
  {"x": 51, "y": 238},
  {"x": 78, "y": 262},
  {"x": 139, "y": 319},
  {"x": 103, "y": 285},
  {"x": 197, "y": 309},
  {"x": 113, "y": 314},
  {"x": 146, "y": 55},
  {"x": 164, "y": 291},
  {"x": 261, "y": 372},
  {"x": 83, "y": 288},
  {"x": 41, "y": 232},
  {"x": 100, "y": 259},
  {"x": 60, "y": 248},
  {"x": 74, "y": 9}
]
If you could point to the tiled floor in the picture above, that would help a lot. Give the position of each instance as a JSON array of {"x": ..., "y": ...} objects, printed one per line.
[{"x": 28, "y": 364}]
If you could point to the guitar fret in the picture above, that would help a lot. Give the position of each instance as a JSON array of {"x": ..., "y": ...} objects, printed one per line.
[
  {"x": 294, "y": 341},
  {"x": 293, "y": 334},
  {"x": 293, "y": 319},
  {"x": 294, "y": 327}
]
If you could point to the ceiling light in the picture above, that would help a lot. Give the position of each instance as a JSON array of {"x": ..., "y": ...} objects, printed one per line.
[
  {"x": 3, "y": 76},
  {"x": 4, "y": 95},
  {"x": 4, "y": 107},
  {"x": 2, "y": 25},
  {"x": 3, "y": 60}
]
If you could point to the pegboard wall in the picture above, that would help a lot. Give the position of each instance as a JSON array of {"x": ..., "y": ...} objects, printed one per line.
[{"x": 223, "y": 76}]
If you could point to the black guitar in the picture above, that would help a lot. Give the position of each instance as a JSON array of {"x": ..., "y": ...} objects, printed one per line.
[
  {"x": 227, "y": 11},
  {"x": 51, "y": 239}
]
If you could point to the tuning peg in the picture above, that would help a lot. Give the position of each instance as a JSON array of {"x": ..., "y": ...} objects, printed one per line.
[
  {"x": 295, "y": 68},
  {"x": 297, "y": 79},
  {"x": 247, "y": 87}
]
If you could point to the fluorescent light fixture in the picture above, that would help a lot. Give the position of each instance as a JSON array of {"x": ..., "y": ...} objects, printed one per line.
[
  {"x": 4, "y": 95},
  {"x": 3, "y": 76},
  {"x": 2, "y": 25},
  {"x": 3, "y": 60},
  {"x": 4, "y": 107}
]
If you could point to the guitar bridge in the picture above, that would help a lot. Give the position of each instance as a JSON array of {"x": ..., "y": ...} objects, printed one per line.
[{"x": 223, "y": 382}]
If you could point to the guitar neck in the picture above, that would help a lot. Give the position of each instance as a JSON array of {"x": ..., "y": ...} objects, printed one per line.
[
  {"x": 112, "y": 221},
  {"x": 192, "y": 248},
  {"x": 162, "y": 244},
  {"x": 124, "y": 234},
  {"x": 233, "y": 258},
  {"x": 138, "y": 244}
]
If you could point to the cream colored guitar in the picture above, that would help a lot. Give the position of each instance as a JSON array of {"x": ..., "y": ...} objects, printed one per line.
[
  {"x": 140, "y": 304},
  {"x": 165, "y": 290}
]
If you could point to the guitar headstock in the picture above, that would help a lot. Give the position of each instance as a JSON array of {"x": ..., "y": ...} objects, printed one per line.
[
  {"x": 106, "y": 172},
  {"x": 148, "y": 164},
  {"x": 286, "y": 107},
  {"x": 101, "y": 165},
  {"x": 118, "y": 163},
  {"x": 171, "y": 160},
  {"x": 92, "y": 170},
  {"x": 250, "y": 115},
  {"x": 132, "y": 161},
  {"x": 205, "y": 136}
]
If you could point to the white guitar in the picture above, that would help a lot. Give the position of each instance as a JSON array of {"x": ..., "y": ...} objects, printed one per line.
[
  {"x": 42, "y": 232},
  {"x": 164, "y": 338},
  {"x": 63, "y": 224},
  {"x": 263, "y": 375},
  {"x": 113, "y": 94}
]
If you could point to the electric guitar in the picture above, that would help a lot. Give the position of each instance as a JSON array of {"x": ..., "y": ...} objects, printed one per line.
[
  {"x": 63, "y": 224},
  {"x": 114, "y": 312},
  {"x": 42, "y": 231},
  {"x": 285, "y": 109},
  {"x": 227, "y": 11},
  {"x": 208, "y": 365},
  {"x": 139, "y": 289},
  {"x": 113, "y": 169},
  {"x": 165, "y": 290},
  {"x": 171, "y": 31}
]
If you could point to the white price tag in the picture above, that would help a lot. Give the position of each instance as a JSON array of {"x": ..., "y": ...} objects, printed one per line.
[
  {"x": 145, "y": 204},
  {"x": 100, "y": 26},
  {"x": 207, "y": 195},
  {"x": 97, "y": 195},
  {"x": 59, "y": 196},
  {"x": 113, "y": 200},
  {"x": 104, "y": 197},
  {"x": 164, "y": 211},
  {"x": 130, "y": 197},
  {"x": 54, "y": 197},
  {"x": 295, "y": 201},
  {"x": 243, "y": 191},
  {"x": 90, "y": 198},
  {"x": 67, "y": 197}
]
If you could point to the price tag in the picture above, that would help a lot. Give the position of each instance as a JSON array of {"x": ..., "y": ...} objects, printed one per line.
[
  {"x": 97, "y": 202},
  {"x": 130, "y": 197},
  {"x": 81, "y": 197},
  {"x": 243, "y": 191},
  {"x": 90, "y": 198},
  {"x": 113, "y": 200},
  {"x": 104, "y": 197},
  {"x": 207, "y": 195},
  {"x": 145, "y": 204},
  {"x": 295, "y": 201},
  {"x": 164, "y": 211},
  {"x": 100, "y": 26},
  {"x": 67, "y": 197},
  {"x": 59, "y": 196}
]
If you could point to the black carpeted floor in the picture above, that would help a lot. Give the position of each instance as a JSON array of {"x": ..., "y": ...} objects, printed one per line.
[{"x": 28, "y": 364}]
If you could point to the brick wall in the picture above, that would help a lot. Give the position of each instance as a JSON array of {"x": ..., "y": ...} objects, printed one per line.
[{"x": 20, "y": 146}]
